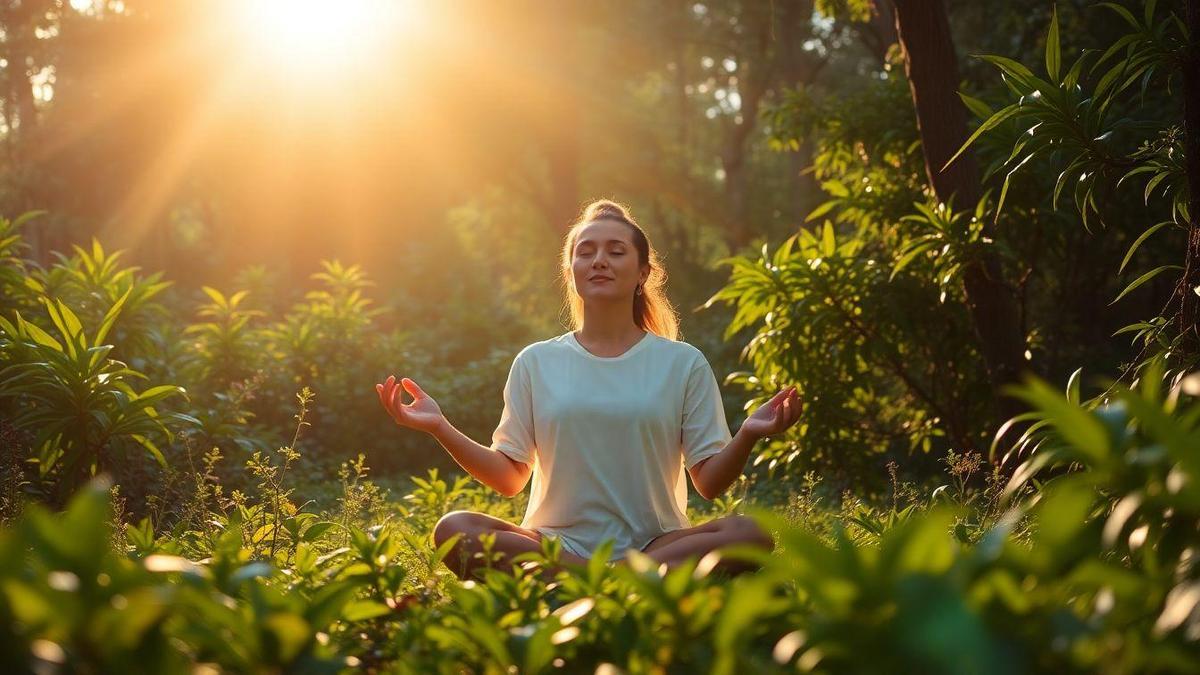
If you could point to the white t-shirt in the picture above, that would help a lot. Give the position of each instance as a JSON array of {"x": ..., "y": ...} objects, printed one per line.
[{"x": 609, "y": 437}]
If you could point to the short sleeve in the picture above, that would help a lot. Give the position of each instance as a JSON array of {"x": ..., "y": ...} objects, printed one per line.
[
  {"x": 514, "y": 435},
  {"x": 705, "y": 431}
]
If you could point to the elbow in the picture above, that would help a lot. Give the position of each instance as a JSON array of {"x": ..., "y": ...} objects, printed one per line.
[{"x": 513, "y": 489}]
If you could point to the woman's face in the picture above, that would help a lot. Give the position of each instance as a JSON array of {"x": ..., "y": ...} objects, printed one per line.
[{"x": 605, "y": 263}]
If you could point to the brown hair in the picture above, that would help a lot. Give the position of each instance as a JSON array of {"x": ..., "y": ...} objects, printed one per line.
[{"x": 652, "y": 311}]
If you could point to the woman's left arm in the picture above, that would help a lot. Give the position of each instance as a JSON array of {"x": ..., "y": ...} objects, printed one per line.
[{"x": 714, "y": 475}]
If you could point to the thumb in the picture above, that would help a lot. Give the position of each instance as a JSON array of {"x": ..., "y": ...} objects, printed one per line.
[{"x": 412, "y": 388}]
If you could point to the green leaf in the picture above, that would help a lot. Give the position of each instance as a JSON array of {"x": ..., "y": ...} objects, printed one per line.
[
  {"x": 976, "y": 106},
  {"x": 39, "y": 336},
  {"x": 1008, "y": 179},
  {"x": 1153, "y": 183},
  {"x": 152, "y": 448},
  {"x": 155, "y": 394},
  {"x": 1138, "y": 242},
  {"x": 110, "y": 317},
  {"x": 1143, "y": 279},
  {"x": 822, "y": 210},
  {"x": 1078, "y": 427},
  {"x": 1073, "y": 386},
  {"x": 1013, "y": 69},
  {"x": 1053, "y": 50},
  {"x": 909, "y": 256},
  {"x": 835, "y": 188},
  {"x": 214, "y": 295},
  {"x": 362, "y": 610},
  {"x": 314, "y": 531},
  {"x": 26, "y": 217},
  {"x": 990, "y": 123},
  {"x": 290, "y": 632},
  {"x": 1124, "y": 13},
  {"x": 1139, "y": 326},
  {"x": 1063, "y": 512}
]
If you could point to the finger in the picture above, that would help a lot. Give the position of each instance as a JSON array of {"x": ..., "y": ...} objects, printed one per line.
[
  {"x": 386, "y": 390},
  {"x": 389, "y": 388},
  {"x": 774, "y": 403},
  {"x": 397, "y": 400},
  {"x": 379, "y": 393},
  {"x": 413, "y": 388},
  {"x": 797, "y": 408}
]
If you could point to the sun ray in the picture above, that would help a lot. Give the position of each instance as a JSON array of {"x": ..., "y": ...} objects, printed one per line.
[{"x": 143, "y": 205}]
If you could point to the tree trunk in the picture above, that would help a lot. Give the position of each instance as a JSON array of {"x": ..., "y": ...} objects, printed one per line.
[
  {"x": 1189, "y": 314},
  {"x": 879, "y": 33},
  {"x": 752, "y": 85},
  {"x": 930, "y": 62},
  {"x": 758, "y": 72}
]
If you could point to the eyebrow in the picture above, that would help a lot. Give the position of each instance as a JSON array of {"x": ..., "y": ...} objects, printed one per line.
[{"x": 581, "y": 242}]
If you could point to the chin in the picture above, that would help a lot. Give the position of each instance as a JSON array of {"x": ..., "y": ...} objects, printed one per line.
[{"x": 601, "y": 297}]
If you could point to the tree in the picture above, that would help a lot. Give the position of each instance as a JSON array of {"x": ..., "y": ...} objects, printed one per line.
[
  {"x": 932, "y": 69},
  {"x": 1190, "y": 310}
]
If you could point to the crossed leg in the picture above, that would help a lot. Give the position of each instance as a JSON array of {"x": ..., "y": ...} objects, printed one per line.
[
  {"x": 511, "y": 540},
  {"x": 672, "y": 548}
]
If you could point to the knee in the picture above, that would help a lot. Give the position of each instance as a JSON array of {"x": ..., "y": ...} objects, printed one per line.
[
  {"x": 746, "y": 530},
  {"x": 455, "y": 522}
]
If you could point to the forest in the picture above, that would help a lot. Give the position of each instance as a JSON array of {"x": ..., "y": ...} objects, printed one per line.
[{"x": 967, "y": 232}]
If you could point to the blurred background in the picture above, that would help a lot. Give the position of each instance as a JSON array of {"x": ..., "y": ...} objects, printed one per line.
[{"x": 332, "y": 192}]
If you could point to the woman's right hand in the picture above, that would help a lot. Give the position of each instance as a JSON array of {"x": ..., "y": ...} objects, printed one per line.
[{"x": 423, "y": 414}]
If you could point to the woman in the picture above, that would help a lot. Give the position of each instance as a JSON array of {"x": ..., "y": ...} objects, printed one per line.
[{"x": 604, "y": 418}]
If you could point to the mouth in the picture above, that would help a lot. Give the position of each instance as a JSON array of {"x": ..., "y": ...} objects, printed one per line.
[{"x": 600, "y": 279}]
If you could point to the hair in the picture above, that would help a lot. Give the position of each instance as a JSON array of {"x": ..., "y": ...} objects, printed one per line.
[{"x": 652, "y": 311}]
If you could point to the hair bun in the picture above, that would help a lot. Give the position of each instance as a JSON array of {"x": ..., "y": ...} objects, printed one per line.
[{"x": 604, "y": 208}]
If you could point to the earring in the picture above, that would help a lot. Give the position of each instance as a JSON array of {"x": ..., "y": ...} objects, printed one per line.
[{"x": 639, "y": 290}]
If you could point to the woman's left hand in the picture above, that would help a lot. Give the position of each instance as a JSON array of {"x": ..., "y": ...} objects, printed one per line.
[{"x": 774, "y": 416}]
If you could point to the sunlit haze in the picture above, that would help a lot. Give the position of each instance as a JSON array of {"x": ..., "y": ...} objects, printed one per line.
[{"x": 302, "y": 35}]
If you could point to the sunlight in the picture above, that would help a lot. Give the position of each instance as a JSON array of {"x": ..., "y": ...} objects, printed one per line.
[{"x": 301, "y": 36}]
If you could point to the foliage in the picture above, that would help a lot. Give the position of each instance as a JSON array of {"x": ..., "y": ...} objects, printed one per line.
[
  {"x": 78, "y": 401},
  {"x": 225, "y": 344},
  {"x": 1088, "y": 576},
  {"x": 864, "y": 342},
  {"x": 13, "y": 272},
  {"x": 93, "y": 281},
  {"x": 897, "y": 253},
  {"x": 1092, "y": 124}
]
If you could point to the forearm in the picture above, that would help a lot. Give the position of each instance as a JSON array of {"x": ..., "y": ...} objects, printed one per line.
[
  {"x": 718, "y": 472},
  {"x": 488, "y": 466}
]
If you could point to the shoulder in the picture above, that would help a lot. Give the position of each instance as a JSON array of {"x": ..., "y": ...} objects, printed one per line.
[
  {"x": 679, "y": 351},
  {"x": 542, "y": 348}
]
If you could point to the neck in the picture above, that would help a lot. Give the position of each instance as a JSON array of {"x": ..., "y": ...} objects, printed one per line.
[{"x": 605, "y": 322}]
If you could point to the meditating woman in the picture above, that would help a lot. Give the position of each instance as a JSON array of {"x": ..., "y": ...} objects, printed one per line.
[{"x": 605, "y": 418}]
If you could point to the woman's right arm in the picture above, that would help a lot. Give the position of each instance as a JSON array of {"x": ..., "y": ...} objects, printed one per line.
[
  {"x": 492, "y": 467},
  {"x": 488, "y": 466}
]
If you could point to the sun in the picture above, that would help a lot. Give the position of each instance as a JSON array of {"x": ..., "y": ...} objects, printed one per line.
[{"x": 304, "y": 35}]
